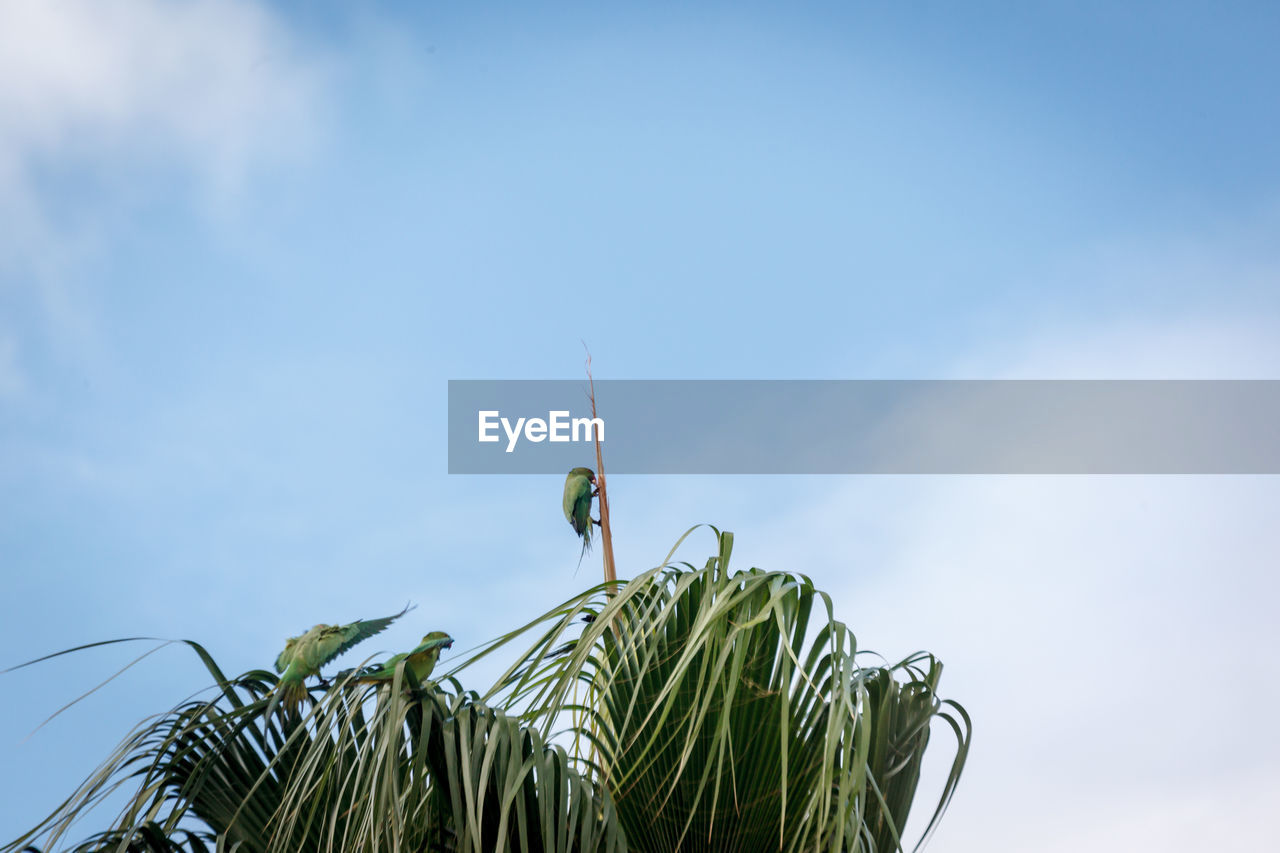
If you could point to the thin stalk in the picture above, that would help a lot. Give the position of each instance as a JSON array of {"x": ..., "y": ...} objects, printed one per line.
[{"x": 606, "y": 534}]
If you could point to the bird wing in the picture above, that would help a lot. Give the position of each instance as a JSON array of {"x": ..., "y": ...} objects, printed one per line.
[
  {"x": 340, "y": 639},
  {"x": 573, "y": 486},
  {"x": 577, "y": 502},
  {"x": 381, "y": 670},
  {"x": 297, "y": 648},
  {"x": 286, "y": 656}
]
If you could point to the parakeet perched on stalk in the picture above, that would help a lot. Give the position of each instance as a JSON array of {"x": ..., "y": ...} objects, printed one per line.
[
  {"x": 304, "y": 654},
  {"x": 420, "y": 662},
  {"x": 578, "y": 488}
]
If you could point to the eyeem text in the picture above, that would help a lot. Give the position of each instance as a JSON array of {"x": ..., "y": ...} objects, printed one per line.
[{"x": 558, "y": 426}]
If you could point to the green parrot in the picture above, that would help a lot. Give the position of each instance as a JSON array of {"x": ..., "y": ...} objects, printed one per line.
[
  {"x": 420, "y": 662},
  {"x": 304, "y": 654},
  {"x": 577, "y": 503}
]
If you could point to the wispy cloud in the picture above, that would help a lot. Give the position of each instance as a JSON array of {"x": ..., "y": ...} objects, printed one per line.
[
  {"x": 101, "y": 97},
  {"x": 212, "y": 84}
]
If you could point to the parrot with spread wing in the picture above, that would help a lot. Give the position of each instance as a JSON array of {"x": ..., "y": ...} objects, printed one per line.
[
  {"x": 577, "y": 503},
  {"x": 421, "y": 661},
  {"x": 304, "y": 654}
]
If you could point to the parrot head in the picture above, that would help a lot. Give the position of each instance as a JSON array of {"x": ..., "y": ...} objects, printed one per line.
[{"x": 437, "y": 639}]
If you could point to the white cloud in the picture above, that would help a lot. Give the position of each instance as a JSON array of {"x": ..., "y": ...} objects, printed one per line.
[
  {"x": 94, "y": 93},
  {"x": 103, "y": 101},
  {"x": 1109, "y": 634},
  {"x": 215, "y": 84},
  {"x": 1189, "y": 816}
]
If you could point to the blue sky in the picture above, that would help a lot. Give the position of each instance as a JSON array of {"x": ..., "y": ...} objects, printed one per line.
[{"x": 243, "y": 246}]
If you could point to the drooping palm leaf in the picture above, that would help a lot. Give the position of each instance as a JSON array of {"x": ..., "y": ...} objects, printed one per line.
[
  {"x": 727, "y": 711},
  {"x": 689, "y": 709},
  {"x": 399, "y": 767},
  {"x": 429, "y": 769}
]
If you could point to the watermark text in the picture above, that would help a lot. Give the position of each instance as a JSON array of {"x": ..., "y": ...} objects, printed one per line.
[{"x": 556, "y": 427}]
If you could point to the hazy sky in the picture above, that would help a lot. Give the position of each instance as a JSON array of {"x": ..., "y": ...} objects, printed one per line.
[{"x": 243, "y": 246}]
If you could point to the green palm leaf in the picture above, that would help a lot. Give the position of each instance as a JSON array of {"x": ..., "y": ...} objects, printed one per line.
[
  {"x": 398, "y": 767},
  {"x": 690, "y": 709},
  {"x": 727, "y": 711}
]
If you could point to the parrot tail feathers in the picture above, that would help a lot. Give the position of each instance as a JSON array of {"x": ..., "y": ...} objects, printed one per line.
[
  {"x": 586, "y": 546},
  {"x": 289, "y": 694}
]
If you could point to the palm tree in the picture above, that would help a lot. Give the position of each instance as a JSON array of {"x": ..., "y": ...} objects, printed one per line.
[{"x": 689, "y": 709}]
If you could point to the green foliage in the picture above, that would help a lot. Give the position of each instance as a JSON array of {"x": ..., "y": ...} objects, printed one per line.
[
  {"x": 427, "y": 770},
  {"x": 726, "y": 711},
  {"x": 688, "y": 709}
]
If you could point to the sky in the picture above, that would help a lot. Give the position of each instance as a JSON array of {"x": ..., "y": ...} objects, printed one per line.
[{"x": 244, "y": 245}]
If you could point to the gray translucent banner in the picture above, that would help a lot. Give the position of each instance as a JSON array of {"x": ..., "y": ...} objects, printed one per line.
[{"x": 868, "y": 427}]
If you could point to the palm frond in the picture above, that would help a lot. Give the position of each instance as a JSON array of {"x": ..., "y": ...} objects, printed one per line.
[
  {"x": 398, "y": 767},
  {"x": 727, "y": 711},
  {"x": 689, "y": 709}
]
